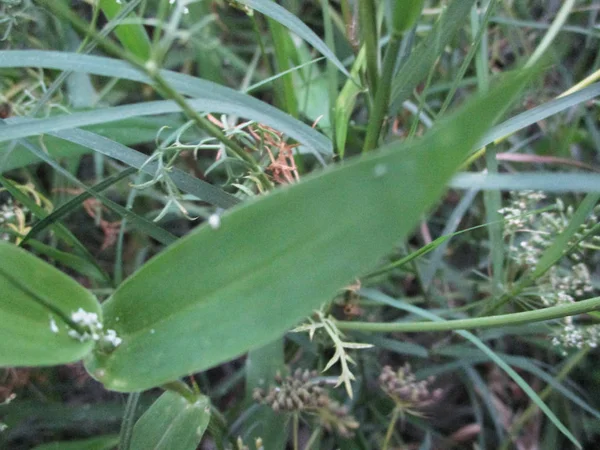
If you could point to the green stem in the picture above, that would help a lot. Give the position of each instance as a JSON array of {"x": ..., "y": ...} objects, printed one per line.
[
  {"x": 538, "y": 315},
  {"x": 295, "y": 421},
  {"x": 205, "y": 125},
  {"x": 128, "y": 421},
  {"x": 314, "y": 437},
  {"x": 261, "y": 45},
  {"x": 368, "y": 27},
  {"x": 470, "y": 54},
  {"x": 533, "y": 407},
  {"x": 390, "y": 429},
  {"x": 382, "y": 97},
  {"x": 182, "y": 389},
  {"x": 283, "y": 53}
]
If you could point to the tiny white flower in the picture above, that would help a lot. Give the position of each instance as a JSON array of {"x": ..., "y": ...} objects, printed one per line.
[
  {"x": 214, "y": 221},
  {"x": 53, "y": 326}
]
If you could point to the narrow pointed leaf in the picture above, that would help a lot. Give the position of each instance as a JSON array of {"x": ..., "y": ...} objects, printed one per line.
[
  {"x": 126, "y": 132},
  {"x": 97, "y": 443},
  {"x": 34, "y": 297},
  {"x": 295, "y": 25},
  {"x": 210, "y": 95},
  {"x": 424, "y": 55},
  {"x": 132, "y": 36},
  {"x": 172, "y": 422},
  {"x": 218, "y": 293}
]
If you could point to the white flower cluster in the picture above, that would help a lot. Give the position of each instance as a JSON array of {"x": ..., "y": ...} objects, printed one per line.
[
  {"x": 576, "y": 336},
  {"x": 529, "y": 236},
  {"x": 185, "y": 8},
  {"x": 7, "y": 215},
  {"x": 93, "y": 329},
  {"x": 515, "y": 213}
]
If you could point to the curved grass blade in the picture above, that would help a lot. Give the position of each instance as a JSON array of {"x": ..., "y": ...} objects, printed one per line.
[
  {"x": 138, "y": 221},
  {"x": 222, "y": 98},
  {"x": 291, "y": 22},
  {"x": 523, "y": 181},
  {"x": 36, "y": 302},
  {"x": 378, "y": 296},
  {"x": 242, "y": 288},
  {"x": 73, "y": 204},
  {"x": 146, "y": 129},
  {"x": 523, "y": 363},
  {"x": 538, "y": 113},
  {"x": 201, "y": 189}
]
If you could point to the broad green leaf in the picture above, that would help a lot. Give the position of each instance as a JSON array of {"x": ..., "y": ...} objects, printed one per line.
[
  {"x": 34, "y": 300},
  {"x": 211, "y": 95},
  {"x": 424, "y": 55},
  {"x": 222, "y": 291},
  {"x": 291, "y": 22},
  {"x": 60, "y": 230},
  {"x": 172, "y": 422},
  {"x": 97, "y": 443}
]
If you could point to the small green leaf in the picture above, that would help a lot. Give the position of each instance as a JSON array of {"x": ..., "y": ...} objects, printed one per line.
[
  {"x": 35, "y": 299},
  {"x": 97, "y": 443},
  {"x": 172, "y": 422}
]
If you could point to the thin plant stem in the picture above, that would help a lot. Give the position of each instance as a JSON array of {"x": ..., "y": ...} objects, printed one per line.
[
  {"x": 261, "y": 45},
  {"x": 382, "y": 97},
  {"x": 295, "y": 423},
  {"x": 470, "y": 54},
  {"x": 552, "y": 32},
  {"x": 182, "y": 389},
  {"x": 128, "y": 421},
  {"x": 314, "y": 437},
  {"x": 390, "y": 429},
  {"x": 503, "y": 320},
  {"x": 370, "y": 38}
]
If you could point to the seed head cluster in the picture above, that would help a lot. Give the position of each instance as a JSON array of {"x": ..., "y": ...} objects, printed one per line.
[
  {"x": 302, "y": 393},
  {"x": 297, "y": 392},
  {"x": 409, "y": 394}
]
